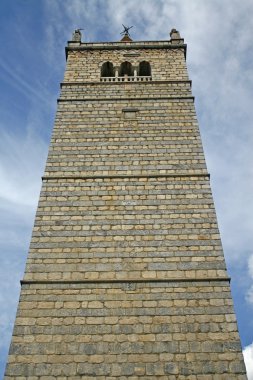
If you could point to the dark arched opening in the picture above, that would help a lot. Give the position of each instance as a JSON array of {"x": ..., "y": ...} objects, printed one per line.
[
  {"x": 126, "y": 69},
  {"x": 107, "y": 69},
  {"x": 144, "y": 69}
]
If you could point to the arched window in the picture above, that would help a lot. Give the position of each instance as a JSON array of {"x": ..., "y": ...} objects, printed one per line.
[
  {"x": 107, "y": 69},
  {"x": 144, "y": 69},
  {"x": 126, "y": 69}
]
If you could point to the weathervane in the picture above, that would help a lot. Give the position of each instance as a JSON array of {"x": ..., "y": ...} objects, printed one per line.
[{"x": 126, "y": 30}]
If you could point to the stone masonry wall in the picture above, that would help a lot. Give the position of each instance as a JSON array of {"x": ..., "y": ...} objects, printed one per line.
[
  {"x": 125, "y": 277},
  {"x": 125, "y": 229},
  {"x": 158, "y": 330},
  {"x": 142, "y": 145}
]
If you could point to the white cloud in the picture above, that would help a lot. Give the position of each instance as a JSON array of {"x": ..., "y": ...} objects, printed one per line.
[
  {"x": 21, "y": 162},
  {"x": 22, "y": 158},
  {"x": 248, "y": 359},
  {"x": 250, "y": 263},
  {"x": 249, "y": 295}
]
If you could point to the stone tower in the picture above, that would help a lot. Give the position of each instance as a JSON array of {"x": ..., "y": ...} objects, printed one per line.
[{"x": 125, "y": 277}]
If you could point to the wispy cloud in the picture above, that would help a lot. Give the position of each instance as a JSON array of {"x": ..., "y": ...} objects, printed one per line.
[
  {"x": 21, "y": 159},
  {"x": 21, "y": 165},
  {"x": 249, "y": 295},
  {"x": 14, "y": 78}
]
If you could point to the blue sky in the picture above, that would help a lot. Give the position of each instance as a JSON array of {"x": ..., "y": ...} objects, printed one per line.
[{"x": 32, "y": 60}]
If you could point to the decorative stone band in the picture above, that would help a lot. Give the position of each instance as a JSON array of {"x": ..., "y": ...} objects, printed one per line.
[
  {"x": 77, "y": 46},
  {"x": 128, "y": 99},
  {"x": 77, "y": 83},
  {"x": 129, "y": 176},
  {"x": 119, "y": 281}
]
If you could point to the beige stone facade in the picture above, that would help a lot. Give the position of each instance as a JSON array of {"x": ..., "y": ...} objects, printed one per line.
[{"x": 125, "y": 277}]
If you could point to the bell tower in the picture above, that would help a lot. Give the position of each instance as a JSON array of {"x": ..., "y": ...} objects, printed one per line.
[{"x": 125, "y": 277}]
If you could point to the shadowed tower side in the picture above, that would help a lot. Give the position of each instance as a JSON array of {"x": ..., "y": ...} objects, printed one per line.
[{"x": 125, "y": 277}]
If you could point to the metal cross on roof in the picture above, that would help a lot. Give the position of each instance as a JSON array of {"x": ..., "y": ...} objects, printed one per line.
[{"x": 126, "y": 30}]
